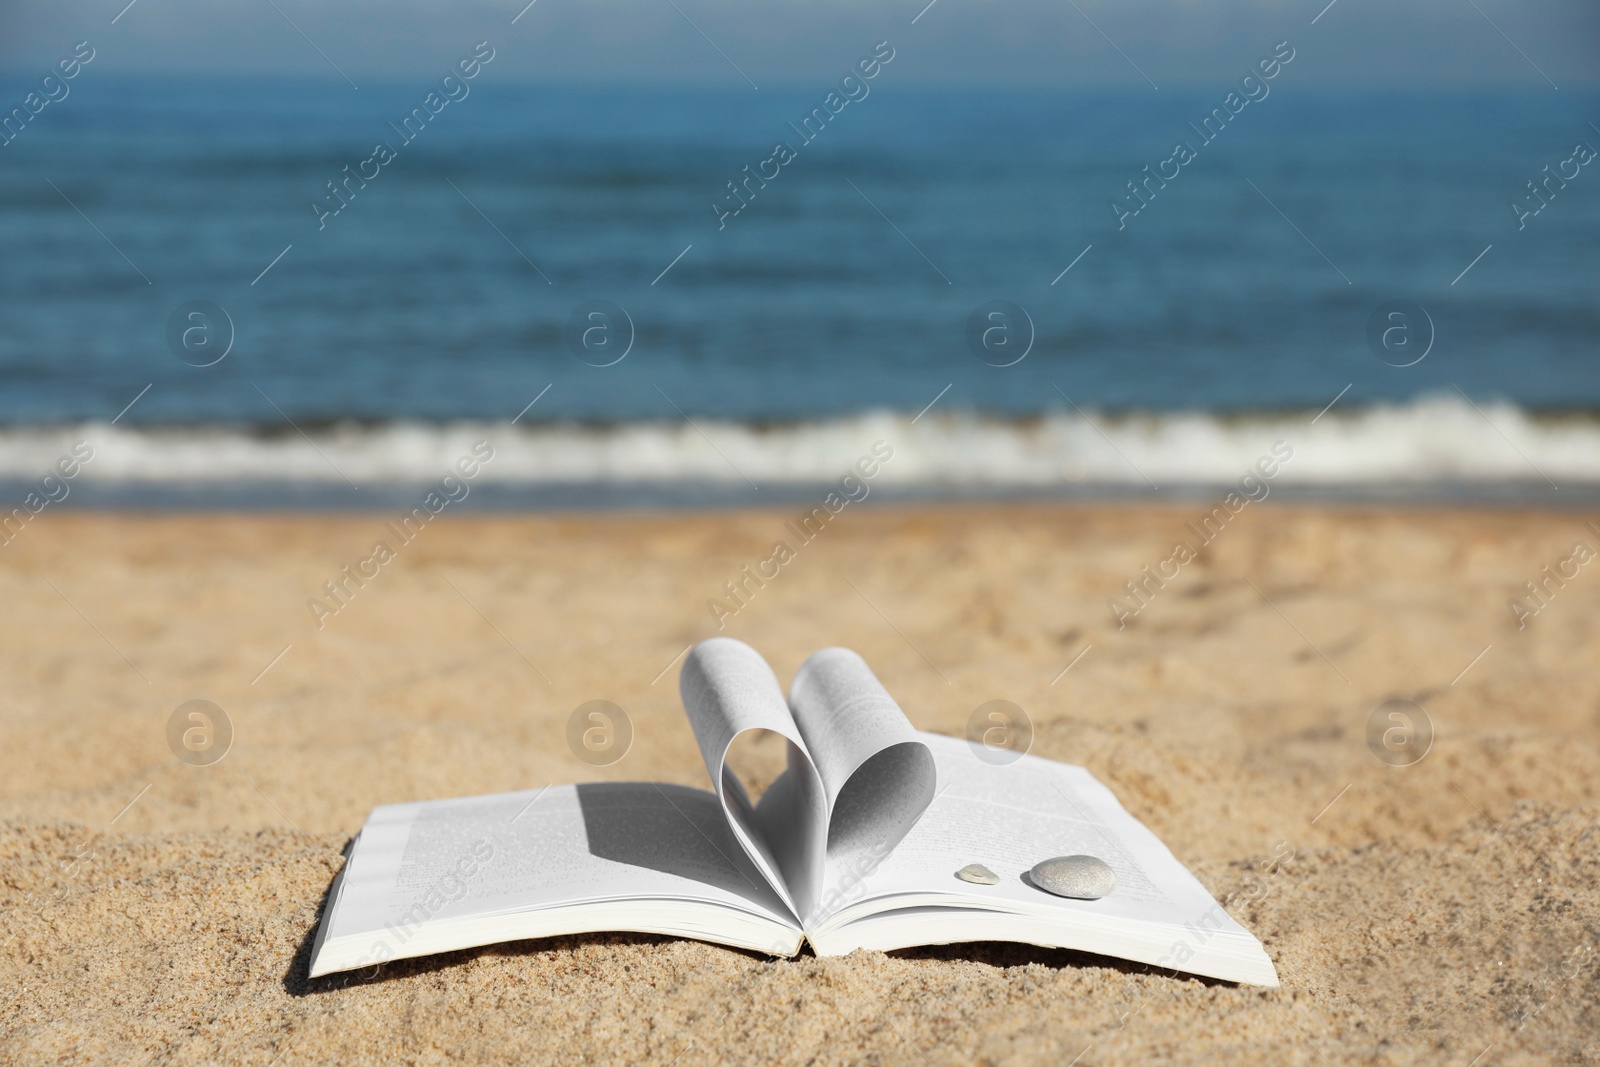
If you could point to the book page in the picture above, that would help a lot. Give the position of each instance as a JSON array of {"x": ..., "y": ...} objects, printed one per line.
[
  {"x": 728, "y": 689},
  {"x": 1010, "y": 817},
  {"x": 877, "y": 773},
  {"x": 439, "y": 861}
]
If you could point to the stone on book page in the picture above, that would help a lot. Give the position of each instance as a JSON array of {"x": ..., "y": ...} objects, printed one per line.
[
  {"x": 977, "y": 874},
  {"x": 1079, "y": 877}
]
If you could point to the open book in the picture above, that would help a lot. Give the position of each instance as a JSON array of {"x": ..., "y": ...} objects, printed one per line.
[{"x": 855, "y": 845}]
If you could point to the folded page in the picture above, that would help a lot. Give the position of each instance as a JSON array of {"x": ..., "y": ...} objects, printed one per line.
[
  {"x": 877, "y": 773},
  {"x": 728, "y": 689}
]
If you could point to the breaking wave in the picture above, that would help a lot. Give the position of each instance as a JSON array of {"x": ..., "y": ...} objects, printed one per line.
[{"x": 1429, "y": 441}]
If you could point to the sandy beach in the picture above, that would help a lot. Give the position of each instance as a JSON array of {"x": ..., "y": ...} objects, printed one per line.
[{"x": 158, "y": 912}]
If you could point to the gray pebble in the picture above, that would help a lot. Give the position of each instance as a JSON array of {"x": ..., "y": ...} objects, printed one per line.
[
  {"x": 978, "y": 874},
  {"x": 1079, "y": 877}
]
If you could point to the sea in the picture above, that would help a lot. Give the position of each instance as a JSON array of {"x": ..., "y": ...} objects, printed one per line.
[{"x": 232, "y": 296}]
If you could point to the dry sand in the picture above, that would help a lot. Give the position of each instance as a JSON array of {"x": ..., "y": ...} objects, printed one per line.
[{"x": 1433, "y": 913}]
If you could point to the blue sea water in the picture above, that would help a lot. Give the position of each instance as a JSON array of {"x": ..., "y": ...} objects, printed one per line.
[{"x": 441, "y": 293}]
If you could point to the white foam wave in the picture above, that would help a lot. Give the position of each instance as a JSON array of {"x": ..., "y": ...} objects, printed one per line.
[{"x": 1433, "y": 440}]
